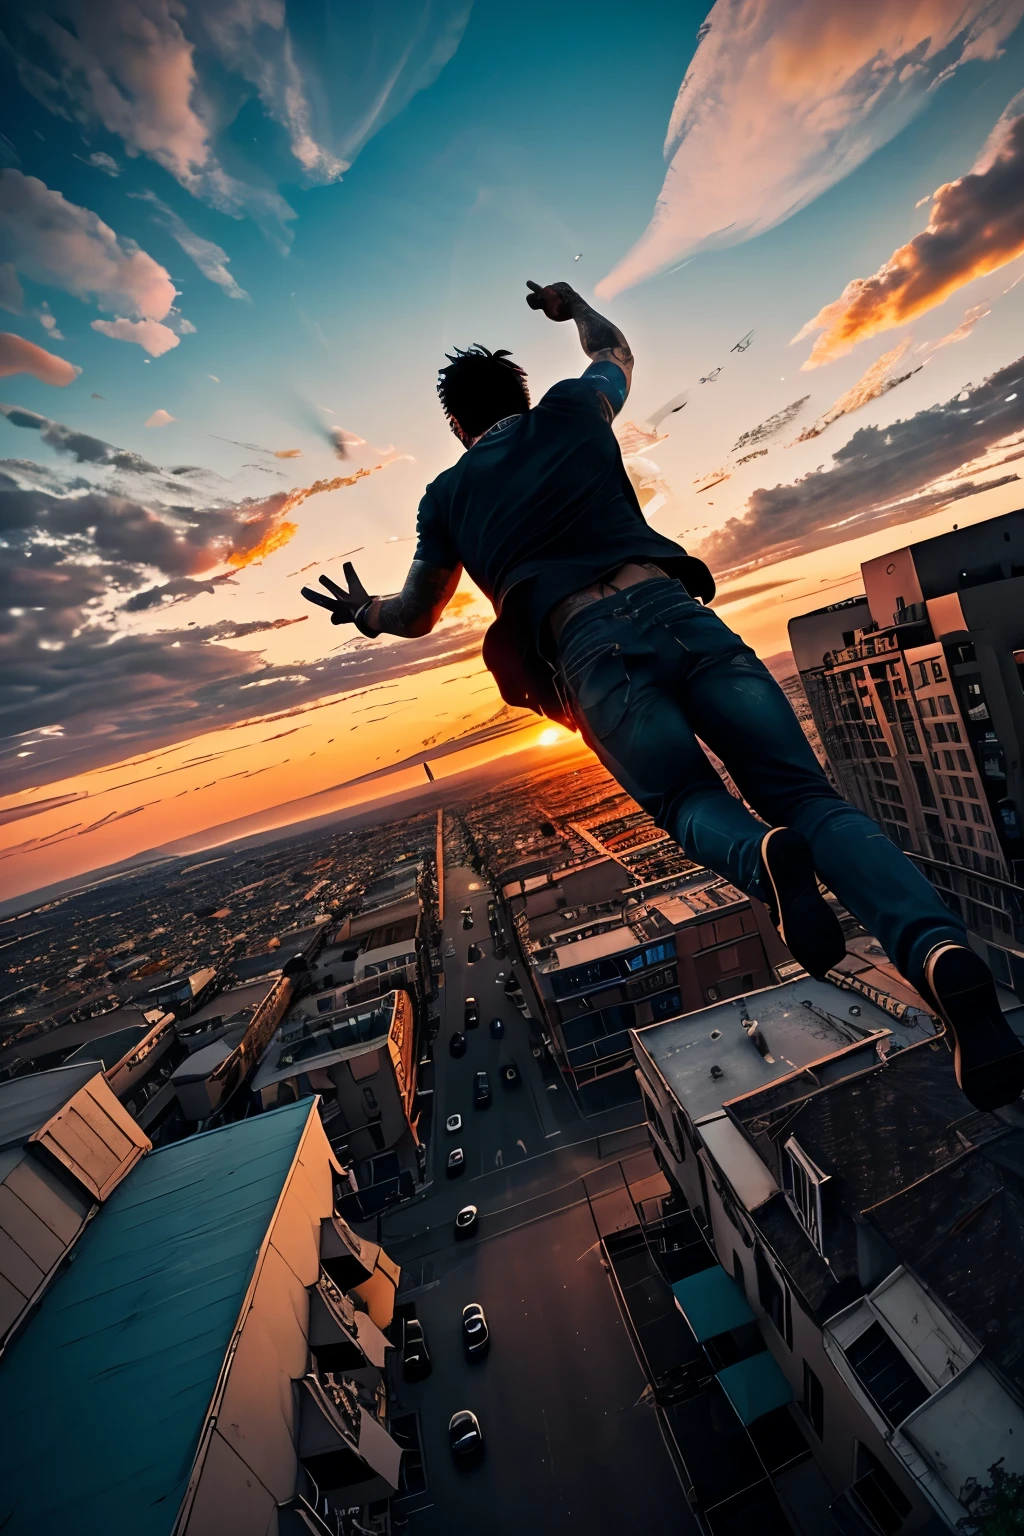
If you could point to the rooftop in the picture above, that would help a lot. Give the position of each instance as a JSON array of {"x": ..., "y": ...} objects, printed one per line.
[
  {"x": 140, "y": 1325},
  {"x": 757, "y": 1040},
  {"x": 302, "y": 1043},
  {"x": 28, "y": 1102}
]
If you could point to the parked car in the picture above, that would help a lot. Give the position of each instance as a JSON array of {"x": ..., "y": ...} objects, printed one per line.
[
  {"x": 466, "y": 1220},
  {"x": 415, "y": 1354},
  {"x": 510, "y": 1074},
  {"x": 473, "y": 954},
  {"x": 499, "y": 978},
  {"x": 471, "y": 1013},
  {"x": 456, "y": 1162},
  {"x": 449, "y": 950},
  {"x": 481, "y": 1090},
  {"x": 467, "y": 920},
  {"x": 457, "y": 1044},
  {"x": 475, "y": 1334},
  {"x": 453, "y": 1124},
  {"x": 497, "y": 1028},
  {"x": 465, "y": 1435}
]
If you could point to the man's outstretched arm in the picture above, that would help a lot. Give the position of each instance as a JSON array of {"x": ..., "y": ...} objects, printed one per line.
[
  {"x": 414, "y": 611},
  {"x": 600, "y": 339}
]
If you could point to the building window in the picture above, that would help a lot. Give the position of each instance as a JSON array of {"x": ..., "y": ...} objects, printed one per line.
[
  {"x": 886, "y": 1375},
  {"x": 978, "y": 814},
  {"x": 774, "y": 1297},
  {"x": 813, "y": 1402},
  {"x": 876, "y": 1493},
  {"x": 655, "y": 1119},
  {"x": 945, "y": 704},
  {"x": 987, "y": 843},
  {"x": 954, "y": 785},
  {"x": 923, "y": 784},
  {"x": 803, "y": 1182},
  {"x": 970, "y": 788},
  {"x": 937, "y": 672}
]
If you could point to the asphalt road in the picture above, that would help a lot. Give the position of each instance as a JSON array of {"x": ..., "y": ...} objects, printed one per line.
[{"x": 569, "y": 1436}]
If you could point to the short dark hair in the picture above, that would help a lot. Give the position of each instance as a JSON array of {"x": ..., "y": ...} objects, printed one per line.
[{"x": 479, "y": 387}]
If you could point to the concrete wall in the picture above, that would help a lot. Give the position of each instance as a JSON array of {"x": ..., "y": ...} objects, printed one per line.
[{"x": 248, "y": 1463}]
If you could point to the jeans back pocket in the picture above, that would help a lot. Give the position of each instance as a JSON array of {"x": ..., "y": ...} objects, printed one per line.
[{"x": 600, "y": 688}]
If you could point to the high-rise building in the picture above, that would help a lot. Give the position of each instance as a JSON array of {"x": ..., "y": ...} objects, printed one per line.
[{"x": 917, "y": 690}]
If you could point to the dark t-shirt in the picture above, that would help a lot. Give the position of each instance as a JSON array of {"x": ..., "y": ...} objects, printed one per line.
[{"x": 538, "y": 508}]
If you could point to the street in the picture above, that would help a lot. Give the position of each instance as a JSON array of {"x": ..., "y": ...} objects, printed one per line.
[{"x": 569, "y": 1434}]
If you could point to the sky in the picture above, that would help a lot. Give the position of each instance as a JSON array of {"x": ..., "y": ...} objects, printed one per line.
[{"x": 237, "y": 241}]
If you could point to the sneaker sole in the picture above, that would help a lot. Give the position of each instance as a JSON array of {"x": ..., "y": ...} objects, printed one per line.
[
  {"x": 988, "y": 1058},
  {"x": 810, "y": 929}
]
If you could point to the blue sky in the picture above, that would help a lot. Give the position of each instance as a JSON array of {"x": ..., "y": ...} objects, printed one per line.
[{"x": 510, "y": 140}]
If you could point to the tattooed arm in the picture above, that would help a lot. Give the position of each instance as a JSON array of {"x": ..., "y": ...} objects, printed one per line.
[
  {"x": 600, "y": 339},
  {"x": 414, "y": 611}
]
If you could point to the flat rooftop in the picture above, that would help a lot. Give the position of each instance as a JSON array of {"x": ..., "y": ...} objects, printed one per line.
[
  {"x": 797, "y": 1023},
  {"x": 301, "y": 1044}
]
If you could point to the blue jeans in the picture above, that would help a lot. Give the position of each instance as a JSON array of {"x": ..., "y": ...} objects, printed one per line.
[{"x": 648, "y": 671}]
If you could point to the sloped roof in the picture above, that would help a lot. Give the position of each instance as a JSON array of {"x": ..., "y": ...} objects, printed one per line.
[{"x": 111, "y": 1381}]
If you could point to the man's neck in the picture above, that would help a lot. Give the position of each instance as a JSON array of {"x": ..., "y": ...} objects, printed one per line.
[{"x": 495, "y": 428}]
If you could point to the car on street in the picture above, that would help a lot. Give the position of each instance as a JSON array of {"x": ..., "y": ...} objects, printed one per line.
[
  {"x": 456, "y": 1162},
  {"x": 481, "y": 1090},
  {"x": 510, "y": 1074},
  {"x": 465, "y": 1435},
  {"x": 473, "y": 954},
  {"x": 453, "y": 1124},
  {"x": 497, "y": 1028},
  {"x": 467, "y": 920},
  {"x": 465, "y": 1221},
  {"x": 475, "y": 1334},
  {"x": 499, "y": 978},
  {"x": 415, "y": 1354},
  {"x": 457, "y": 1044},
  {"x": 471, "y": 1013},
  {"x": 449, "y": 950}
]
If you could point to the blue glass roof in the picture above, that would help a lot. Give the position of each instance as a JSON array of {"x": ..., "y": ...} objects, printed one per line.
[
  {"x": 755, "y": 1386},
  {"x": 711, "y": 1302},
  {"x": 103, "y": 1398}
]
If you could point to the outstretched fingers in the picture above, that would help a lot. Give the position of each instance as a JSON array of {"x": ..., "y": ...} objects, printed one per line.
[
  {"x": 325, "y": 581},
  {"x": 321, "y": 601}
]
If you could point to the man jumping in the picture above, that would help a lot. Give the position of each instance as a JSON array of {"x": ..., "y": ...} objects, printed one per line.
[{"x": 601, "y": 624}]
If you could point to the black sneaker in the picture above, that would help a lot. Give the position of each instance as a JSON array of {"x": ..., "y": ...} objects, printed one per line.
[
  {"x": 809, "y": 927},
  {"x": 987, "y": 1056}
]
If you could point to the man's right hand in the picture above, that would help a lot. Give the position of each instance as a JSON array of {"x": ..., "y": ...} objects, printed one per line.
[
  {"x": 341, "y": 605},
  {"x": 557, "y": 300}
]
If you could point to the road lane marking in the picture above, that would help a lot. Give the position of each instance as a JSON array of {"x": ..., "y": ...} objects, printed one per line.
[
  {"x": 552, "y": 1133},
  {"x": 499, "y": 1161}
]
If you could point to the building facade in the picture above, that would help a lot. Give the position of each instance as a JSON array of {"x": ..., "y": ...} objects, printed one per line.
[
  {"x": 916, "y": 690},
  {"x": 837, "y": 1172}
]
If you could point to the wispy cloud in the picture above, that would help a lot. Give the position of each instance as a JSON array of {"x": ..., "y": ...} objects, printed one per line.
[
  {"x": 881, "y": 477},
  {"x": 976, "y": 226},
  {"x": 784, "y": 98},
  {"x": 62, "y": 245},
  {"x": 879, "y": 379},
  {"x": 209, "y": 257},
  {"x": 167, "y": 77}
]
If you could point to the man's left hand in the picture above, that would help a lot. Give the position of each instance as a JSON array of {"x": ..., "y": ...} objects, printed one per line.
[{"x": 341, "y": 605}]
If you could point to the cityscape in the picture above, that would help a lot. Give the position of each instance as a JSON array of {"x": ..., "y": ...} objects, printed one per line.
[
  {"x": 514, "y": 1024},
  {"x": 542, "y": 1126}
]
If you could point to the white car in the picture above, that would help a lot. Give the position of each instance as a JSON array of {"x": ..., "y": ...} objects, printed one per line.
[
  {"x": 475, "y": 1333},
  {"x": 464, "y": 1434},
  {"x": 453, "y": 1124}
]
